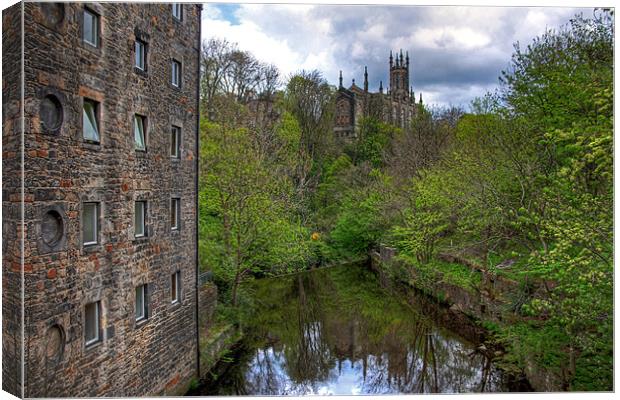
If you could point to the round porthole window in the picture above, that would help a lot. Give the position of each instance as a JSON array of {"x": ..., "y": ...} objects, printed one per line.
[
  {"x": 54, "y": 13},
  {"x": 51, "y": 228},
  {"x": 51, "y": 113},
  {"x": 55, "y": 344}
]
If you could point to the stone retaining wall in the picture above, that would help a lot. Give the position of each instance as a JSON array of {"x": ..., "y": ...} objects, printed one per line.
[{"x": 465, "y": 309}]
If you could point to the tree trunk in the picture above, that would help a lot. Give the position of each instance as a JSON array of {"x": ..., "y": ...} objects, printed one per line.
[{"x": 234, "y": 288}]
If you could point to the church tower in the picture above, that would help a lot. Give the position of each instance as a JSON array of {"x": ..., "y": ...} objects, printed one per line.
[{"x": 399, "y": 76}]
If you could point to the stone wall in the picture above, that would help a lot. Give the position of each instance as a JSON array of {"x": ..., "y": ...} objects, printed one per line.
[
  {"x": 159, "y": 355},
  {"x": 207, "y": 301},
  {"x": 11, "y": 200},
  {"x": 464, "y": 310}
]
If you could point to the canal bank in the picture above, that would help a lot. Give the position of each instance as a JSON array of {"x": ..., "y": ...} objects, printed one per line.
[{"x": 477, "y": 304}]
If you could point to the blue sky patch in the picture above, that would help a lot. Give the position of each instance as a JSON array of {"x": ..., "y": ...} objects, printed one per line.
[{"x": 228, "y": 12}]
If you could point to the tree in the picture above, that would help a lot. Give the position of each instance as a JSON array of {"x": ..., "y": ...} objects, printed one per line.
[
  {"x": 311, "y": 100},
  {"x": 245, "y": 227},
  {"x": 563, "y": 84},
  {"x": 422, "y": 143},
  {"x": 230, "y": 72},
  {"x": 427, "y": 220}
]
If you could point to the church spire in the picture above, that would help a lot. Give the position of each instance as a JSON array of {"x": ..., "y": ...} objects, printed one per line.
[
  {"x": 420, "y": 97},
  {"x": 380, "y": 86},
  {"x": 340, "y": 80},
  {"x": 391, "y": 59},
  {"x": 407, "y": 59},
  {"x": 365, "y": 79},
  {"x": 401, "y": 57}
]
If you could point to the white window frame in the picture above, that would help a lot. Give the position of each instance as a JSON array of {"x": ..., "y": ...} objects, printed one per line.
[
  {"x": 95, "y": 28},
  {"x": 177, "y": 11},
  {"x": 140, "y": 48},
  {"x": 175, "y": 209},
  {"x": 135, "y": 225},
  {"x": 97, "y": 338},
  {"x": 176, "y": 73},
  {"x": 139, "y": 127},
  {"x": 175, "y": 145},
  {"x": 175, "y": 287},
  {"x": 95, "y": 222},
  {"x": 142, "y": 314}
]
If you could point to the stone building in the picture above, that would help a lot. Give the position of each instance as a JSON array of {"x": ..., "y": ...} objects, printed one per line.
[
  {"x": 396, "y": 106},
  {"x": 104, "y": 236}
]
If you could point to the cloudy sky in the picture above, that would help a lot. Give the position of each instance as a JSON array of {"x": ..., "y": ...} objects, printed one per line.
[{"x": 457, "y": 53}]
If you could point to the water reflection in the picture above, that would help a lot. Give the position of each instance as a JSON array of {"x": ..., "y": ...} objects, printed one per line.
[{"x": 336, "y": 331}]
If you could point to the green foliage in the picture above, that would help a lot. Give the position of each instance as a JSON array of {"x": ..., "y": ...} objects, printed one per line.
[
  {"x": 554, "y": 80},
  {"x": 359, "y": 224},
  {"x": 527, "y": 176},
  {"x": 576, "y": 224},
  {"x": 425, "y": 221},
  {"x": 543, "y": 345},
  {"x": 245, "y": 226},
  {"x": 530, "y": 175},
  {"x": 374, "y": 138}
]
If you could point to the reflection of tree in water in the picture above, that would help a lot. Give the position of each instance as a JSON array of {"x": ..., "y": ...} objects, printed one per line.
[
  {"x": 431, "y": 363},
  {"x": 265, "y": 375},
  {"x": 309, "y": 360},
  {"x": 310, "y": 325}
]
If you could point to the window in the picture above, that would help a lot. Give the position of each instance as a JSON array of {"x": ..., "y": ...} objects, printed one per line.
[
  {"x": 175, "y": 141},
  {"x": 90, "y": 223},
  {"x": 141, "y": 308},
  {"x": 139, "y": 123},
  {"x": 175, "y": 287},
  {"x": 90, "y": 31},
  {"x": 141, "y": 55},
  {"x": 177, "y": 11},
  {"x": 176, "y": 73},
  {"x": 140, "y": 218},
  {"x": 91, "y": 322},
  {"x": 90, "y": 123},
  {"x": 175, "y": 213}
]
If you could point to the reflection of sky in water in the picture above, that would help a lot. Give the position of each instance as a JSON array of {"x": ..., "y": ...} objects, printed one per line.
[
  {"x": 336, "y": 332},
  {"x": 454, "y": 370}
]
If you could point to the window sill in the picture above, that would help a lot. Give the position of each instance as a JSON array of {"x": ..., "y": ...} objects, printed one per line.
[
  {"x": 140, "y": 71},
  {"x": 175, "y": 304},
  {"x": 93, "y": 345},
  {"x": 91, "y": 48},
  {"x": 140, "y": 239},
  {"x": 139, "y": 323},
  {"x": 91, "y": 248},
  {"x": 88, "y": 144}
]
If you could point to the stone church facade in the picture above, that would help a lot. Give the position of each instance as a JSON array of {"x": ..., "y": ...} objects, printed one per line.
[
  {"x": 396, "y": 106},
  {"x": 102, "y": 235}
]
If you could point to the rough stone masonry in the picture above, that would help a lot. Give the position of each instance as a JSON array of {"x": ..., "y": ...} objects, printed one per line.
[{"x": 108, "y": 311}]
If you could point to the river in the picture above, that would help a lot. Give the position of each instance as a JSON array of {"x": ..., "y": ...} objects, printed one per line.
[{"x": 337, "y": 331}]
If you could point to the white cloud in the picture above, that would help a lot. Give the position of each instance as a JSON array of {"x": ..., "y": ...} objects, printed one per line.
[
  {"x": 451, "y": 38},
  {"x": 457, "y": 52}
]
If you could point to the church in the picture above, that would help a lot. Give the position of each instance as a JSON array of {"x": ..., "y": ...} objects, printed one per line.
[{"x": 396, "y": 106}]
